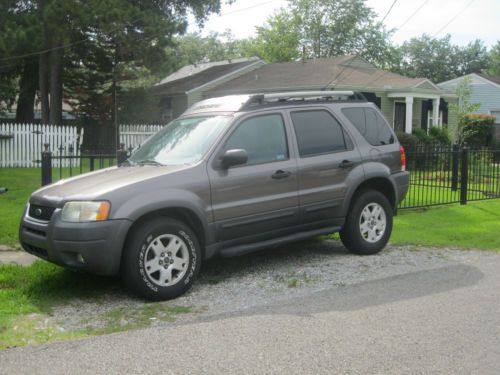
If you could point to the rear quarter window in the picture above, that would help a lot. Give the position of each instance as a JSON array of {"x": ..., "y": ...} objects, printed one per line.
[{"x": 370, "y": 124}]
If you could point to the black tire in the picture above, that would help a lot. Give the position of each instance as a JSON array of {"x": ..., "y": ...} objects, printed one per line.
[
  {"x": 373, "y": 240},
  {"x": 152, "y": 237}
]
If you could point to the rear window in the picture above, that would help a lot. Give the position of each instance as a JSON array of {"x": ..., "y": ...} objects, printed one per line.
[{"x": 370, "y": 124}]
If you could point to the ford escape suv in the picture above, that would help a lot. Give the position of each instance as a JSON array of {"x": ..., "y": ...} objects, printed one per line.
[{"x": 232, "y": 175}]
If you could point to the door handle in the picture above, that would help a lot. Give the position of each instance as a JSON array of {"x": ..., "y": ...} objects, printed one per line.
[
  {"x": 279, "y": 174},
  {"x": 346, "y": 164}
]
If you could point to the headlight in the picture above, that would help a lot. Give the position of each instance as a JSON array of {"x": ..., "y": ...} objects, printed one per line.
[{"x": 77, "y": 212}]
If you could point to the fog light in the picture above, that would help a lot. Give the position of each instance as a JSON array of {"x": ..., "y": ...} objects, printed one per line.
[{"x": 80, "y": 259}]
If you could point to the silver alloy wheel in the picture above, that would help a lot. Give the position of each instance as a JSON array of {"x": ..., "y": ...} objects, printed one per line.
[
  {"x": 372, "y": 222},
  {"x": 166, "y": 260}
]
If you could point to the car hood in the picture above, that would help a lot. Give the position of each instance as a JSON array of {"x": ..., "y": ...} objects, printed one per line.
[{"x": 93, "y": 185}]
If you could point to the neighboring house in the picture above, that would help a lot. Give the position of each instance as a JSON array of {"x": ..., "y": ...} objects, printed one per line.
[
  {"x": 186, "y": 86},
  {"x": 10, "y": 115},
  {"x": 407, "y": 103},
  {"x": 485, "y": 91}
]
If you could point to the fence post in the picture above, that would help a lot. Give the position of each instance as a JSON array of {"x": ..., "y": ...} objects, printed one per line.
[
  {"x": 464, "y": 178},
  {"x": 454, "y": 167},
  {"x": 91, "y": 162},
  {"x": 46, "y": 165},
  {"x": 121, "y": 154}
]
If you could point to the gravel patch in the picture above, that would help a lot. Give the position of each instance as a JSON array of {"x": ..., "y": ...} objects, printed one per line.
[{"x": 232, "y": 284}]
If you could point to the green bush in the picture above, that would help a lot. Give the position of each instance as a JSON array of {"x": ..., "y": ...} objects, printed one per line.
[
  {"x": 421, "y": 135},
  {"x": 409, "y": 141},
  {"x": 440, "y": 134},
  {"x": 478, "y": 129}
]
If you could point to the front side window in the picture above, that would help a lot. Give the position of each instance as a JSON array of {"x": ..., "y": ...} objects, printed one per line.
[
  {"x": 262, "y": 137},
  {"x": 318, "y": 132},
  {"x": 183, "y": 141}
]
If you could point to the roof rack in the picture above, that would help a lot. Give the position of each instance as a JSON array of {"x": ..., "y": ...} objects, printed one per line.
[{"x": 304, "y": 95}]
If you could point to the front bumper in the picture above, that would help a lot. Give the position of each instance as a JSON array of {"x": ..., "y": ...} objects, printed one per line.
[{"x": 94, "y": 247}]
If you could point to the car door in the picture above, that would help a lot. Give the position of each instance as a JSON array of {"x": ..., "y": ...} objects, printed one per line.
[
  {"x": 326, "y": 159},
  {"x": 256, "y": 200}
]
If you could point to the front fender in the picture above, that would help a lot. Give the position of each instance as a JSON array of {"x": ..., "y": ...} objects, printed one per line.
[{"x": 147, "y": 202}]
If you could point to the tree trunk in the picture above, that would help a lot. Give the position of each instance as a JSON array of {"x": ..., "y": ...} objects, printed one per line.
[
  {"x": 43, "y": 68},
  {"x": 27, "y": 91},
  {"x": 56, "y": 86},
  {"x": 43, "y": 86}
]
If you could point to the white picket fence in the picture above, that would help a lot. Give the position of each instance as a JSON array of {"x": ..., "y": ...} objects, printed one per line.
[
  {"x": 133, "y": 136},
  {"x": 21, "y": 145}
]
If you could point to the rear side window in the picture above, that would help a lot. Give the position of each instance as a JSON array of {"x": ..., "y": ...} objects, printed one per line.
[
  {"x": 263, "y": 138},
  {"x": 370, "y": 124},
  {"x": 318, "y": 132}
]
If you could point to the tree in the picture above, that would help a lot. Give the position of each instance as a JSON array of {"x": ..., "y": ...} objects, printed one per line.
[
  {"x": 494, "y": 57},
  {"x": 278, "y": 40},
  {"x": 194, "y": 48},
  {"x": 463, "y": 108},
  {"x": 113, "y": 38},
  {"x": 325, "y": 28},
  {"x": 440, "y": 60}
]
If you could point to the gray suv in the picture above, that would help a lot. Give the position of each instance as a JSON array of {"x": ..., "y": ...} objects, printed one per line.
[{"x": 230, "y": 176}]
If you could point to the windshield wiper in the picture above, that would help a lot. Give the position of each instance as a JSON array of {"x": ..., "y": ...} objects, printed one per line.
[{"x": 149, "y": 162}]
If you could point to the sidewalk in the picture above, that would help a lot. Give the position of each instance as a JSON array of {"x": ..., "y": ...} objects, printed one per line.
[{"x": 11, "y": 256}]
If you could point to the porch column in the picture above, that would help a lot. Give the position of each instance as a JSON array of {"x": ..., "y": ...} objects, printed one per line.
[
  {"x": 435, "y": 112},
  {"x": 409, "y": 114}
]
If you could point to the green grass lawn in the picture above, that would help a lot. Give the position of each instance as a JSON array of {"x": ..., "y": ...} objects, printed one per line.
[
  {"x": 21, "y": 182},
  {"x": 473, "y": 226}
]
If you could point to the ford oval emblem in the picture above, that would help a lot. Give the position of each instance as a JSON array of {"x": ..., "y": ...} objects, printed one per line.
[{"x": 38, "y": 212}]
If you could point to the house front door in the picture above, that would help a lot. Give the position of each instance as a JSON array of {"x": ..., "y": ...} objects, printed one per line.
[{"x": 399, "y": 116}]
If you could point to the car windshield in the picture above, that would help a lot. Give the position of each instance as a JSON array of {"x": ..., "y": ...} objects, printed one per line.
[{"x": 183, "y": 141}]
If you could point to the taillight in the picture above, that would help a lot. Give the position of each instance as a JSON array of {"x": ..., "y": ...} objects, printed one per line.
[{"x": 403, "y": 157}]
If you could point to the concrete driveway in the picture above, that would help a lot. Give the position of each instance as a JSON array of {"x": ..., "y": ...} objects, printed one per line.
[{"x": 441, "y": 320}]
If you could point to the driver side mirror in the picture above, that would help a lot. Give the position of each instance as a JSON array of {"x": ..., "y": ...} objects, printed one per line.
[{"x": 233, "y": 157}]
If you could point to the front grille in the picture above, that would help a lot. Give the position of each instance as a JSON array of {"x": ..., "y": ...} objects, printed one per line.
[
  {"x": 35, "y": 231},
  {"x": 35, "y": 250},
  {"x": 41, "y": 212}
]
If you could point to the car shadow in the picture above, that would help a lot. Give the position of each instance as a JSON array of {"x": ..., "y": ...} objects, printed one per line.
[{"x": 366, "y": 294}]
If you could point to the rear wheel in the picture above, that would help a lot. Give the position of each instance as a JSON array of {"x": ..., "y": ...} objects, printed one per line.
[
  {"x": 161, "y": 259},
  {"x": 368, "y": 224}
]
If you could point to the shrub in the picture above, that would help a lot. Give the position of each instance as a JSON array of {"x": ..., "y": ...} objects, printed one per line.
[
  {"x": 421, "y": 135},
  {"x": 409, "y": 141},
  {"x": 440, "y": 134},
  {"x": 478, "y": 129}
]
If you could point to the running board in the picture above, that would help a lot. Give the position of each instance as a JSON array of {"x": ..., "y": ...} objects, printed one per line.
[{"x": 251, "y": 247}]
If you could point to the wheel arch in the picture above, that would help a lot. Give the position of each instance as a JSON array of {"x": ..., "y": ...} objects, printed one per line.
[
  {"x": 380, "y": 184},
  {"x": 180, "y": 213}
]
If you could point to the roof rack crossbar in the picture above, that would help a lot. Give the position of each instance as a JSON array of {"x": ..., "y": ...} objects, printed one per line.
[
  {"x": 307, "y": 94},
  {"x": 285, "y": 96}
]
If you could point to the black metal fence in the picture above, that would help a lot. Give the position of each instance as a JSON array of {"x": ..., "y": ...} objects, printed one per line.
[
  {"x": 65, "y": 163},
  {"x": 442, "y": 174},
  {"x": 439, "y": 174}
]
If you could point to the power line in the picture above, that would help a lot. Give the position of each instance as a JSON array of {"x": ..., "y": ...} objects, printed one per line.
[
  {"x": 411, "y": 16},
  {"x": 454, "y": 17},
  {"x": 389, "y": 11},
  {"x": 64, "y": 46}
]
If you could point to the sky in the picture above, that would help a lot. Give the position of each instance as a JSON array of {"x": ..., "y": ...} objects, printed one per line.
[{"x": 471, "y": 19}]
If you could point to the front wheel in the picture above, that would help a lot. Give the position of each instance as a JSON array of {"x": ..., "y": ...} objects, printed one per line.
[
  {"x": 368, "y": 224},
  {"x": 161, "y": 260}
]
